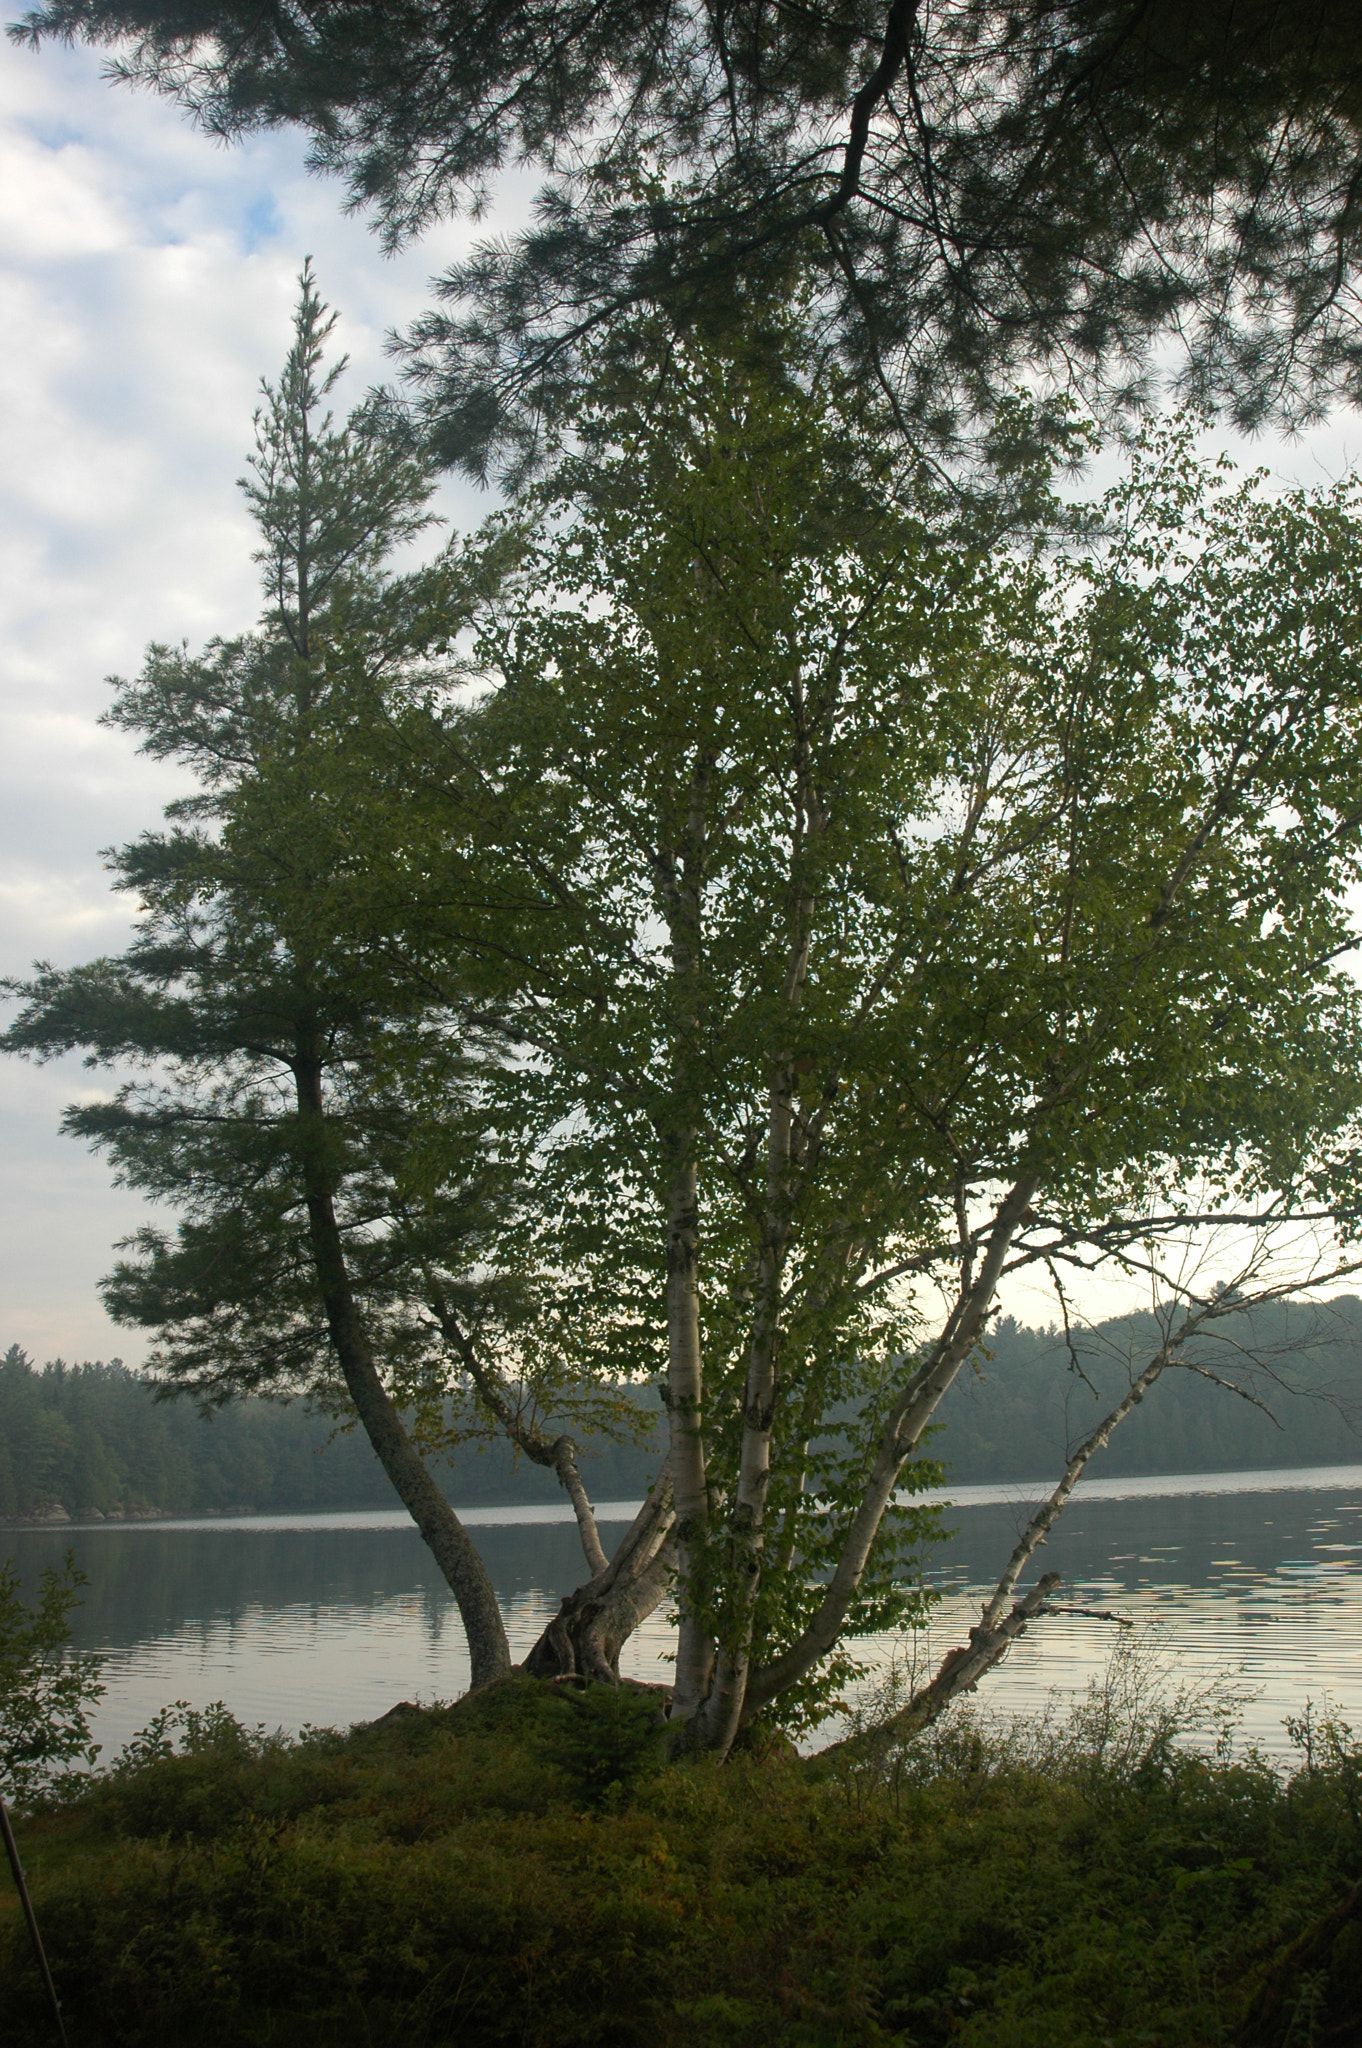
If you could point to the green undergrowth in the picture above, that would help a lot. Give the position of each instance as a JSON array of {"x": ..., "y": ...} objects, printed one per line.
[{"x": 523, "y": 1868}]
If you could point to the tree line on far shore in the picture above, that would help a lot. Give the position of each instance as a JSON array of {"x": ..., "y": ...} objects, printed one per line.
[{"x": 92, "y": 1438}]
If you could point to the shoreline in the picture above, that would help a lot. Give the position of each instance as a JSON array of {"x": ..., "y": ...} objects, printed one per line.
[{"x": 1149, "y": 1485}]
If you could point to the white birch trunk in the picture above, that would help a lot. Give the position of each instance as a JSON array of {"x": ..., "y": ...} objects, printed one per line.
[{"x": 903, "y": 1427}]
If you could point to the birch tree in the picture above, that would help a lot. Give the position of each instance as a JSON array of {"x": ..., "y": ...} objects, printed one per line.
[
  {"x": 926, "y": 910},
  {"x": 797, "y": 909}
]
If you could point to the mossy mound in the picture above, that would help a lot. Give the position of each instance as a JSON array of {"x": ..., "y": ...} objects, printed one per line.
[{"x": 523, "y": 1868}]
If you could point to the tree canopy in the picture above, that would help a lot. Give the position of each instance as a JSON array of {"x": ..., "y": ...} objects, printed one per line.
[
  {"x": 255, "y": 1002},
  {"x": 1087, "y": 188},
  {"x": 711, "y": 929},
  {"x": 927, "y": 909}
]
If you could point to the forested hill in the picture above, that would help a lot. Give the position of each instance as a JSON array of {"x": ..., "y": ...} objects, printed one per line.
[
  {"x": 92, "y": 1440},
  {"x": 1017, "y": 1413}
]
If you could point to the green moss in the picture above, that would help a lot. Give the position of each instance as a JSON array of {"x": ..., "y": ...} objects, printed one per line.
[{"x": 462, "y": 1875}]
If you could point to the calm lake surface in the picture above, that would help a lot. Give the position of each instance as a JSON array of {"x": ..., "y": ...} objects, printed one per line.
[{"x": 331, "y": 1619}]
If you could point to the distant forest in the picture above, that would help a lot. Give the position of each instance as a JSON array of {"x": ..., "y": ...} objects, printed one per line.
[{"x": 93, "y": 1440}]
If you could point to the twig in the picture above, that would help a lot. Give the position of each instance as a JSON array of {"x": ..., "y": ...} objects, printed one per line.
[
  {"x": 21, "y": 1883},
  {"x": 1094, "y": 1614}
]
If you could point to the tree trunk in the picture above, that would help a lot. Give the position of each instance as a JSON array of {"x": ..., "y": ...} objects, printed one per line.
[
  {"x": 592, "y": 1625},
  {"x": 959, "y": 1672},
  {"x": 557, "y": 1454},
  {"x": 443, "y": 1533},
  {"x": 719, "y": 1719},
  {"x": 680, "y": 878},
  {"x": 998, "y": 1627},
  {"x": 686, "y": 1453},
  {"x": 904, "y": 1426},
  {"x": 565, "y": 1464},
  {"x": 721, "y": 1716}
]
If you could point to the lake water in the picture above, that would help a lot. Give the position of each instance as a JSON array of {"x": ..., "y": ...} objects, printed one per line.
[{"x": 331, "y": 1619}]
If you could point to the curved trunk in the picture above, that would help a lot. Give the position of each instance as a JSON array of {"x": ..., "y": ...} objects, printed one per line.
[
  {"x": 998, "y": 1627},
  {"x": 558, "y": 1454},
  {"x": 592, "y": 1625},
  {"x": 443, "y": 1533},
  {"x": 565, "y": 1465},
  {"x": 959, "y": 1672}
]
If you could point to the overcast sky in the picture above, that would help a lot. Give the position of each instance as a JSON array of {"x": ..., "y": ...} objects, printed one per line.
[
  {"x": 146, "y": 282},
  {"x": 147, "y": 278}
]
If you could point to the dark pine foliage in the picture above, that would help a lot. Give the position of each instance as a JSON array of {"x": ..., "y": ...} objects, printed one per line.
[
  {"x": 1070, "y": 184},
  {"x": 1300, "y": 1367},
  {"x": 93, "y": 1438}
]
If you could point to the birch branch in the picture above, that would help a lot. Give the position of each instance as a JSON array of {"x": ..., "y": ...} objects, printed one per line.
[
  {"x": 557, "y": 1454},
  {"x": 903, "y": 1427}
]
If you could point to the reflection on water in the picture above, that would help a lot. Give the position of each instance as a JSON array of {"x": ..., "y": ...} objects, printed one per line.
[
  {"x": 330, "y": 1619},
  {"x": 1267, "y": 1583}
]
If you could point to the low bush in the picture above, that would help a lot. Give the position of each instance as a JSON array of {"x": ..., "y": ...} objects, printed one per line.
[
  {"x": 520, "y": 1868},
  {"x": 46, "y": 1693}
]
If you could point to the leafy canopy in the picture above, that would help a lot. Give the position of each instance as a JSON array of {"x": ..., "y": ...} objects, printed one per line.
[
  {"x": 793, "y": 909},
  {"x": 895, "y": 871}
]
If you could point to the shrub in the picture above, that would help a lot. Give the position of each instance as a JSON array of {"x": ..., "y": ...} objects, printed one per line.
[
  {"x": 518, "y": 1869},
  {"x": 610, "y": 1738},
  {"x": 45, "y": 1692}
]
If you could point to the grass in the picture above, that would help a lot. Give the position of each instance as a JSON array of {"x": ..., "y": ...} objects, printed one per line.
[{"x": 521, "y": 1868}]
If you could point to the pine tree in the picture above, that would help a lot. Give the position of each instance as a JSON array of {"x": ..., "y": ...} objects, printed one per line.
[
  {"x": 1070, "y": 186},
  {"x": 256, "y": 997}
]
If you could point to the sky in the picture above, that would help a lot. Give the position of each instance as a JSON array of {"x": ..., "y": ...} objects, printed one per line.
[{"x": 147, "y": 277}]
